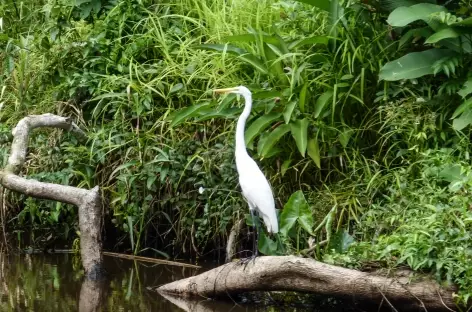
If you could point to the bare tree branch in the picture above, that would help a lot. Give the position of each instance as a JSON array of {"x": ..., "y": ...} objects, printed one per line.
[
  {"x": 88, "y": 201},
  {"x": 231, "y": 244},
  {"x": 43, "y": 190},
  {"x": 22, "y": 130}
]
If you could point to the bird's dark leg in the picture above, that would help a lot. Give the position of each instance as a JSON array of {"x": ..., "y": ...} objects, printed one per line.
[
  {"x": 255, "y": 249},
  {"x": 255, "y": 242}
]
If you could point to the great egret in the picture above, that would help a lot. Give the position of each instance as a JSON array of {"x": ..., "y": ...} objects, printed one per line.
[{"x": 255, "y": 187}]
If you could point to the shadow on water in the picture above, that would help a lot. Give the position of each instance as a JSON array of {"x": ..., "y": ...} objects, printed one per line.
[{"x": 54, "y": 282}]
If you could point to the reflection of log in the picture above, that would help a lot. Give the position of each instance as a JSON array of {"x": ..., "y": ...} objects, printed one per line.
[
  {"x": 291, "y": 273},
  {"x": 191, "y": 305},
  {"x": 91, "y": 294},
  {"x": 88, "y": 201}
]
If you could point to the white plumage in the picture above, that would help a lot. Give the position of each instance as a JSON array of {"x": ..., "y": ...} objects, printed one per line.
[{"x": 255, "y": 187}]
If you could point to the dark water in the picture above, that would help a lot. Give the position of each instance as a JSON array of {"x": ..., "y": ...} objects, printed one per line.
[{"x": 54, "y": 283}]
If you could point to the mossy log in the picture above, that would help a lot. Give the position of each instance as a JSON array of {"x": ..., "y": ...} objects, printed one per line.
[{"x": 291, "y": 273}]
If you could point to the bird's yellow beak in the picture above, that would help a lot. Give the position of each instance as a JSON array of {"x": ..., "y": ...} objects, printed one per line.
[{"x": 224, "y": 91}]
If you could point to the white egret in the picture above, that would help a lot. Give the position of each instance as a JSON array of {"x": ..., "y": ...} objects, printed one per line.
[{"x": 255, "y": 187}]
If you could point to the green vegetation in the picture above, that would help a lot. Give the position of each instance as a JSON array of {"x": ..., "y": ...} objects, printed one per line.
[{"x": 361, "y": 123}]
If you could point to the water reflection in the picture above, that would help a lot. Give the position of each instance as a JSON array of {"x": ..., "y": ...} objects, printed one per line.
[{"x": 54, "y": 283}]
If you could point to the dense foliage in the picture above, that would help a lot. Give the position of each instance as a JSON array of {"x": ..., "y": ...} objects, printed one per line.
[{"x": 361, "y": 122}]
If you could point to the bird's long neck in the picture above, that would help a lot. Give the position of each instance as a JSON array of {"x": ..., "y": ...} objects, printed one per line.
[{"x": 240, "y": 142}]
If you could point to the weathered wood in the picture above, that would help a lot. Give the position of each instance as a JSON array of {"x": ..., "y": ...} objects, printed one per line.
[
  {"x": 91, "y": 295},
  {"x": 151, "y": 260},
  {"x": 231, "y": 244},
  {"x": 88, "y": 201},
  {"x": 291, "y": 273},
  {"x": 22, "y": 130}
]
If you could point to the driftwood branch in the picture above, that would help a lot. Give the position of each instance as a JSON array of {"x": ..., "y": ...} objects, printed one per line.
[
  {"x": 231, "y": 244},
  {"x": 291, "y": 273},
  {"x": 88, "y": 201},
  {"x": 22, "y": 130}
]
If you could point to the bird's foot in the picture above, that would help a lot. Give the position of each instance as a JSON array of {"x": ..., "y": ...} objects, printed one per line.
[{"x": 245, "y": 261}]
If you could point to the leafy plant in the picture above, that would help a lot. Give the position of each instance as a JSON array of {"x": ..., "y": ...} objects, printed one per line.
[{"x": 449, "y": 39}]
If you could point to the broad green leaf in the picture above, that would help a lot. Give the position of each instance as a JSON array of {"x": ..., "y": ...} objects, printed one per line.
[
  {"x": 185, "y": 113},
  {"x": 302, "y": 99},
  {"x": 259, "y": 125},
  {"x": 296, "y": 210},
  {"x": 460, "y": 45},
  {"x": 288, "y": 110},
  {"x": 55, "y": 215},
  {"x": 345, "y": 136},
  {"x": 403, "y": 16},
  {"x": 314, "y": 151},
  {"x": 85, "y": 9},
  {"x": 321, "y": 102},
  {"x": 463, "y": 121},
  {"x": 226, "y": 101},
  {"x": 300, "y": 134},
  {"x": 150, "y": 181},
  {"x": 282, "y": 44},
  {"x": 285, "y": 166},
  {"x": 276, "y": 68},
  {"x": 176, "y": 88},
  {"x": 241, "y": 53},
  {"x": 444, "y": 33},
  {"x": 273, "y": 138},
  {"x": 266, "y": 245},
  {"x": 466, "y": 88},
  {"x": 275, "y": 150},
  {"x": 274, "y": 50},
  {"x": 416, "y": 32},
  {"x": 97, "y": 4},
  {"x": 413, "y": 65},
  {"x": 310, "y": 40},
  {"x": 341, "y": 241},
  {"x": 467, "y": 105},
  {"x": 266, "y": 94},
  {"x": 260, "y": 143},
  {"x": 452, "y": 173}
]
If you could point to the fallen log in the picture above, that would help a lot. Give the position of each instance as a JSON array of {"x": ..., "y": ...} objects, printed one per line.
[{"x": 291, "y": 273}]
